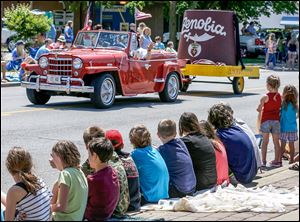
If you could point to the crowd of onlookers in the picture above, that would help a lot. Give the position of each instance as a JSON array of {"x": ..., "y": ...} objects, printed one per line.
[
  {"x": 217, "y": 151},
  {"x": 284, "y": 49},
  {"x": 46, "y": 42}
]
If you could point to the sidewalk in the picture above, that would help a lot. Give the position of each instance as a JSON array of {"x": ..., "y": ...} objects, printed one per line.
[{"x": 280, "y": 178}]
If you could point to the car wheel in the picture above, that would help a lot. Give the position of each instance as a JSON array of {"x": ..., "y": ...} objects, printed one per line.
[
  {"x": 171, "y": 89},
  {"x": 238, "y": 85},
  {"x": 104, "y": 91},
  {"x": 10, "y": 45},
  {"x": 35, "y": 97}
]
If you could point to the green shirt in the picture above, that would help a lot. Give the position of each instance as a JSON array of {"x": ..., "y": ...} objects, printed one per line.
[{"x": 77, "y": 196}]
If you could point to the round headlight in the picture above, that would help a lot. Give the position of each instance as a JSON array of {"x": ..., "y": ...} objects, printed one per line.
[
  {"x": 77, "y": 63},
  {"x": 43, "y": 62}
]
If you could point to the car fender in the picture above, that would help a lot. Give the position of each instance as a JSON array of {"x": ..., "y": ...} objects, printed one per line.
[{"x": 168, "y": 67}]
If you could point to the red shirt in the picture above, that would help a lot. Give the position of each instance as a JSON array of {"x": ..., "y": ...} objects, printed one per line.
[
  {"x": 271, "y": 110},
  {"x": 103, "y": 196},
  {"x": 221, "y": 163}
]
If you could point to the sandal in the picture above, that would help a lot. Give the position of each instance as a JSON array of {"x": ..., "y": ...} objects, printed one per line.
[
  {"x": 294, "y": 167},
  {"x": 285, "y": 156}
]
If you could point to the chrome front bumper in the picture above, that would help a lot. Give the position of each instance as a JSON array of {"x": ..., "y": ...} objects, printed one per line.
[{"x": 55, "y": 87}]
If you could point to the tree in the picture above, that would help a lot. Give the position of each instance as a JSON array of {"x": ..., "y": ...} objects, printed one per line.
[
  {"x": 172, "y": 22},
  {"x": 26, "y": 24}
]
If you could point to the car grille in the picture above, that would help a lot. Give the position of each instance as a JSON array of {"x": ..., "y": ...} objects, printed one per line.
[{"x": 60, "y": 66}]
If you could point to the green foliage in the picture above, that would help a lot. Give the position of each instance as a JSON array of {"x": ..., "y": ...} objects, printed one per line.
[{"x": 24, "y": 23}]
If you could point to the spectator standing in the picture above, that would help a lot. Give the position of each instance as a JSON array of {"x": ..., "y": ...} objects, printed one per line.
[
  {"x": 251, "y": 29},
  {"x": 131, "y": 171},
  {"x": 238, "y": 145},
  {"x": 29, "y": 196},
  {"x": 269, "y": 108},
  {"x": 288, "y": 120},
  {"x": 158, "y": 44},
  {"x": 103, "y": 185},
  {"x": 200, "y": 149},
  {"x": 154, "y": 176},
  {"x": 220, "y": 151},
  {"x": 293, "y": 47},
  {"x": 178, "y": 160},
  {"x": 244, "y": 28},
  {"x": 145, "y": 39},
  {"x": 18, "y": 56},
  {"x": 68, "y": 33},
  {"x": 271, "y": 45},
  {"x": 52, "y": 33},
  {"x": 70, "y": 192},
  {"x": 98, "y": 27}
]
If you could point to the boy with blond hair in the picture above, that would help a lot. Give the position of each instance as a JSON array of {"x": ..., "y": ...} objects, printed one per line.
[{"x": 177, "y": 159}]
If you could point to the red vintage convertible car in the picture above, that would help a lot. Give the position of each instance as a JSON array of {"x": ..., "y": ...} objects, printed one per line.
[{"x": 101, "y": 65}]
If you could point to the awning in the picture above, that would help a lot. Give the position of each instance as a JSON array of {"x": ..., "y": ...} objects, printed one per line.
[{"x": 290, "y": 21}]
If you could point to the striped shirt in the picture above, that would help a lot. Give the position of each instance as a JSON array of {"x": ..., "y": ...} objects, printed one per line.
[{"x": 36, "y": 207}]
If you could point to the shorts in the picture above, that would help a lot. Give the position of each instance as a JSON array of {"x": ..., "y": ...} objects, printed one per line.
[
  {"x": 270, "y": 126},
  {"x": 10, "y": 67},
  {"x": 289, "y": 136}
]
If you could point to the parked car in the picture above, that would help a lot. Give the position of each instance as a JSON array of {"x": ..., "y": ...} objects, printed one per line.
[
  {"x": 251, "y": 46},
  {"x": 101, "y": 65},
  {"x": 7, "y": 37}
]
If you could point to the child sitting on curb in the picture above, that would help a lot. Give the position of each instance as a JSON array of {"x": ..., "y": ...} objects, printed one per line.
[
  {"x": 154, "y": 176},
  {"x": 177, "y": 159},
  {"x": 104, "y": 189},
  {"x": 131, "y": 171}
]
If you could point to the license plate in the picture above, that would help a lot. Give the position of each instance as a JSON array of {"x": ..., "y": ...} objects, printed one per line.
[{"x": 54, "y": 79}]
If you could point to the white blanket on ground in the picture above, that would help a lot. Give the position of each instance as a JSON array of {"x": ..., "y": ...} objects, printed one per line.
[{"x": 238, "y": 199}]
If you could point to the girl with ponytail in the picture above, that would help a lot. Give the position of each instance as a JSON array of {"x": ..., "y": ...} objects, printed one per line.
[{"x": 29, "y": 198}]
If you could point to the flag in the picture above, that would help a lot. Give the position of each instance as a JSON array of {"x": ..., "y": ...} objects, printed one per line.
[
  {"x": 141, "y": 15},
  {"x": 87, "y": 17}
]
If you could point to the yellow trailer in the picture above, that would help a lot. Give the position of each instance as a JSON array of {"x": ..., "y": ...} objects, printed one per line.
[{"x": 235, "y": 74}]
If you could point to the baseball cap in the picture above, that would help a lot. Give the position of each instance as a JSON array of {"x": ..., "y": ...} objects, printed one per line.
[
  {"x": 20, "y": 42},
  {"x": 116, "y": 137}
]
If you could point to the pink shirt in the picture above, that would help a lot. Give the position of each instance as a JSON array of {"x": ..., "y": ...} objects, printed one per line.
[{"x": 221, "y": 163}]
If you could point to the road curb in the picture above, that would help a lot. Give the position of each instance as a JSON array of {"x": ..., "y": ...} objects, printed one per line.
[{"x": 10, "y": 84}]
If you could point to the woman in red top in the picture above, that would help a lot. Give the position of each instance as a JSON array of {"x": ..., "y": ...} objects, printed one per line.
[
  {"x": 269, "y": 108},
  {"x": 220, "y": 151}
]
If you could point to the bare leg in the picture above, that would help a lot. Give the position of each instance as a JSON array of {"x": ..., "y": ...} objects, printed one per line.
[
  {"x": 3, "y": 69},
  {"x": 296, "y": 158},
  {"x": 264, "y": 147},
  {"x": 282, "y": 149},
  {"x": 3, "y": 198},
  {"x": 276, "y": 147},
  {"x": 292, "y": 152}
]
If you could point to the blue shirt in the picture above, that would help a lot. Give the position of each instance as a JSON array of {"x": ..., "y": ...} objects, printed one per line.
[
  {"x": 40, "y": 52},
  {"x": 14, "y": 64},
  {"x": 146, "y": 41},
  {"x": 69, "y": 31},
  {"x": 159, "y": 46},
  {"x": 179, "y": 164},
  {"x": 240, "y": 153},
  {"x": 288, "y": 119},
  {"x": 154, "y": 176}
]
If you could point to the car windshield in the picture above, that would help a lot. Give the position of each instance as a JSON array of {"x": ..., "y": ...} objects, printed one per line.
[
  {"x": 112, "y": 40},
  {"x": 86, "y": 39}
]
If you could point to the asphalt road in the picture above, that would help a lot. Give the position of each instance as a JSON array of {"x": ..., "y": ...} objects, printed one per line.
[{"x": 37, "y": 128}]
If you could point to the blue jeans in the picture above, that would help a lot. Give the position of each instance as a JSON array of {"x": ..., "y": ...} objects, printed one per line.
[{"x": 272, "y": 58}]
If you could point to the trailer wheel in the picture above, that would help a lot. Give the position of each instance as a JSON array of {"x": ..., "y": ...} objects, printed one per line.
[{"x": 238, "y": 85}]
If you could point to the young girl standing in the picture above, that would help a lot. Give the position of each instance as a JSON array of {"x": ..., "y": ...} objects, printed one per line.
[
  {"x": 70, "y": 192},
  {"x": 288, "y": 122},
  {"x": 269, "y": 108},
  {"x": 29, "y": 198}
]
